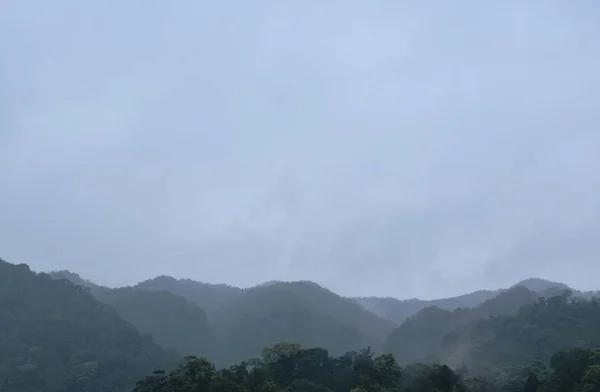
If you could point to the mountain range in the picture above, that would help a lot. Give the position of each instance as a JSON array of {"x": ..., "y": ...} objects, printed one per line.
[
  {"x": 157, "y": 320},
  {"x": 229, "y": 324}
]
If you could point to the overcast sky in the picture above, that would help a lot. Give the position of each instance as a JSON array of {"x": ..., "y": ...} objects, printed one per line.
[{"x": 396, "y": 148}]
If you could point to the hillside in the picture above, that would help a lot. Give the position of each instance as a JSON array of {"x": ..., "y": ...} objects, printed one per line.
[
  {"x": 299, "y": 312},
  {"x": 209, "y": 297},
  {"x": 58, "y": 337},
  {"x": 537, "y": 285},
  {"x": 535, "y": 332},
  {"x": 398, "y": 311},
  {"x": 422, "y": 334},
  {"x": 242, "y": 321},
  {"x": 54, "y": 336},
  {"x": 171, "y": 320}
]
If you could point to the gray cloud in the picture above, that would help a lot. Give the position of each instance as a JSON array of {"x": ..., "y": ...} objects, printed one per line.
[{"x": 375, "y": 147}]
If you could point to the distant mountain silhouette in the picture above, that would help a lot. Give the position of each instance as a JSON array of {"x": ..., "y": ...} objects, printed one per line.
[
  {"x": 534, "y": 333},
  {"x": 537, "y": 284},
  {"x": 172, "y": 320},
  {"x": 61, "y": 332},
  {"x": 241, "y": 322},
  {"x": 229, "y": 324},
  {"x": 209, "y": 297},
  {"x": 398, "y": 311},
  {"x": 422, "y": 334}
]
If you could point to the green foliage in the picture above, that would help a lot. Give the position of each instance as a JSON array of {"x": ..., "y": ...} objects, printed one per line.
[
  {"x": 55, "y": 337},
  {"x": 170, "y": 319},
  {"x": 283, "y": 367},
  {"x": 534, "y": 333},
  {"x": 500, "y": 332},
  {"x": 288, "y": 367},
  {"x": 300, "y": 312},
  {"x": 433, "y": 328},
  {"x": 239, "y": 323}
]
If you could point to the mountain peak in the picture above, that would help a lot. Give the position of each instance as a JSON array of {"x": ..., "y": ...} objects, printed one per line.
[
  {"x": 73, "y": 278},
  {"x": 538, "y": 284}
]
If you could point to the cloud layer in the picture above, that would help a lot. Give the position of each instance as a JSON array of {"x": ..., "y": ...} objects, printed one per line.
[{"x": 376, "y": 147}]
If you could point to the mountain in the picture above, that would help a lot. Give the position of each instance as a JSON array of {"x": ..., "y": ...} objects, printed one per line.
[
  {"x": 55, "y": 336},
  {"x": 422, "y": 334},
  {"x": 171, "y": 320},
  {"x": 75, "y": 279},
  {"x": 301, "y": 312},
  {"x": 534, "y": 333},
  {"x": 209, "y": 297},
  {"x": 247, "y": 320},
  {"x": 398, "y": 311},
  {"x": 537, "y": 285},
  {"x": 62, "y": 333},
  {"x": 241, "y": 322}
]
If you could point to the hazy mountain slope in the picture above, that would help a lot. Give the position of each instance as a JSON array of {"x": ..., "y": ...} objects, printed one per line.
[
  {"x": 537, "y": 284},
  {"x": 534, "y": 333},
  {"x": 301, "y": 312},
  {"x": 209, "y": 297},
  {"x": 54, "y": 336},
  {"x": 340, "y": 308},
  {"x": 424, "y": 333},
  {"x": 74, "y": 278},
  {"x": 172, "y": 320},
  {"x": 220, "y": 299},
  {"x": 244, "y": 320},
  {"x": 398, "y": 311},
  {"x": 262, "y": 319}
]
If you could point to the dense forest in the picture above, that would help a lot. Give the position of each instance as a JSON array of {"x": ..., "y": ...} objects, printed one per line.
[
  {"x": 54, "y": 336},
  {"x": 61, "y": 333},
  {"x": 287, "y": 367}
]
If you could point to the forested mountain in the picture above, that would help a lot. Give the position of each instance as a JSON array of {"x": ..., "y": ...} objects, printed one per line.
[
  {"x": 242, "y": 321},
  {"x": 209, "y": 297},
  {"x": 539, "y": 285},
  {"x": 398, "y": 311},
  {"x": 302, "y": 312},
  {"x": 422, "y": 334},
  {"x": 172, "y": 321},
  {"x": 54, "y": 336},
  {"x": 533, "y": 333}
]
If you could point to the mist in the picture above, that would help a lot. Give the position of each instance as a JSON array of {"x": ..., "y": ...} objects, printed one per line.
[{"x": 376, "y": 148}]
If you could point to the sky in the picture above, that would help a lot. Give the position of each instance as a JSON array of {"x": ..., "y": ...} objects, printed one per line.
[{"x": 405, "y": 149}]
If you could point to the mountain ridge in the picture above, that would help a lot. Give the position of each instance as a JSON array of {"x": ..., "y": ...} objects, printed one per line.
[
  {"x": 211, "y": 296},
  {"x": 55, "y": 336},
  {"x": 166, "y": 313},
  {"x": 532, "y": 283},
  {"x": 241, "y": 322}
]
